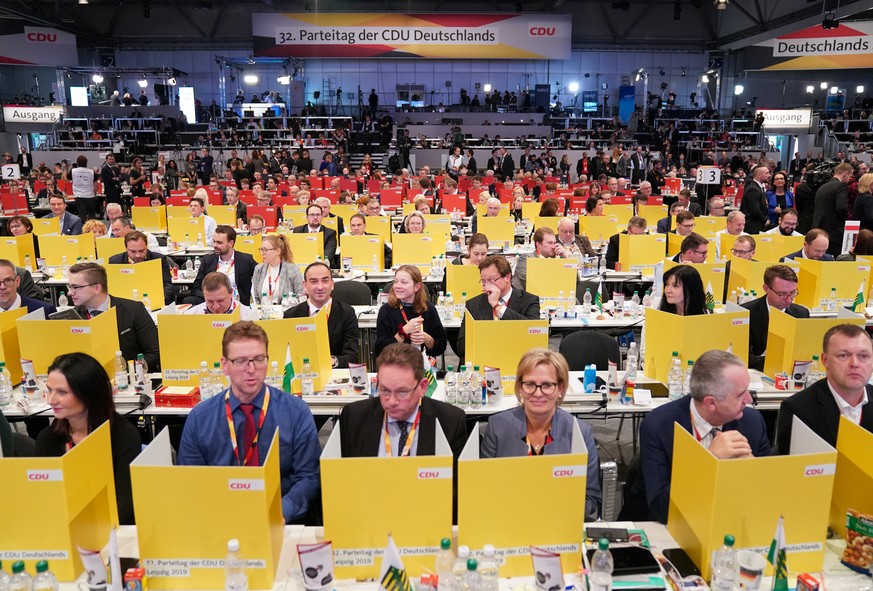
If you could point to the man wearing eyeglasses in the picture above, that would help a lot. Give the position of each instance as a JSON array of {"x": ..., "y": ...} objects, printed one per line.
[
  {"x": 401, "y": 421},
  {"x": 238, "y": 266},
  {"x": 780, "y": 289},
  {"x": 684, "y": 223},
  {"x": 314, "y": 217},
  {"x": 499, "y": 300},
  {"x": 735, "y": 226},
  {"x": 257, "y": 411},
  {"x": 694, "y": 249},
  {"x": 10, "y": 299},
  {"x": 137, "y": 332},
  {"x": 744, "y": 248},
  {"x": 218, "y": 298}
]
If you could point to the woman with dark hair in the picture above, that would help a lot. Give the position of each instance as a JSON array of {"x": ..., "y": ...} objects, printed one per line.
[
  {"x": 779, "y": 197},
  {"x": 79, "y": 393},
  {"x": 137, "y": 178},
  {"x": 549, "y": 208},
  {"x": 19, "y": 225},
  {"x": 683, "y": 292},
  {"x": 408, "y": 316},
  {"x": 863, "y": 247},
  {"x": 171, "y": 176}
]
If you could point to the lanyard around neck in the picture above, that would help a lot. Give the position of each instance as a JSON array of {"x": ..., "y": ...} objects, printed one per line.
[
  {"x": 408, "y": 447},
  {"x": 254, "y": 446}
]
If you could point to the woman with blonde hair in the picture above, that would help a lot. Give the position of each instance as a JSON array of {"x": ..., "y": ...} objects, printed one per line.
[
  {"x": 408, "y": 317},
  {"x": 414, "y": 223},
  {"x": 95, "y": 227},
  {"x": 277, "y": 276}
]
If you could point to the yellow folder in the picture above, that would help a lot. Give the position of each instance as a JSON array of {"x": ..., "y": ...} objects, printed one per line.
[
  {"x": 53, "y": 248},
  {"x": 713, "y": 273},
  {"x": 440, "y": 226},
  {"x": 362, "y": 249},
  {"x": 417, "y": 249},
  {"x": 331, "y": 223},
  {"x": 772, "y": 247},
  {"x": 42, "y": 226},
  {"x": 10, "y": 351},
  {"x": 749, "y": 275},
  {"x": 344, "y": 211},
  {"x": 75, "y": 497},
  {"x": 98, "y": 337},
  {"x": 108, "y": 246},
  {"x": 622, "y": 213},
  {"x": 853, "y": 482},
  {"x": 553, "y": 525},
  {"x": 150, "y": 219},
  {"x": 250, "y": 245},
  {"x": 177, "y": 336},
  {"x": 224, "y": 214},
  {"x": 463, "y": 279},
  {"x": 708, "y": 225},
  {"x": 307, "y": 248},
  {"x": 674, "y": 245},
  {"x": 710, "y": 498},
  {"x": 653, "y": 213},
  {"x": 308, "y": 338},
  {"x": 145, "y": 277},
  {"x": 792, "y": 339},
  {"x": 186, "y": 229},
  {"x": 818, "y": 277},
  {"x": 174, "y": 504},
  {"x": 498, "y": 230},
  {"x": 547, "y": 222},
  {"x": 516, "y": 337},
  {"x": 482, "y": 209},
  {"x": 640, "y": 253},
  {"x": 547, "y": 278},
  {"x": 16, "y": 248},
  {"x": 530, "y": 210},
  {"x": 359, "y": 537},
  {"x": 380, "y": 225},
  {"x": 178, "y": 211},
  {"x": 692, "y": 336}
]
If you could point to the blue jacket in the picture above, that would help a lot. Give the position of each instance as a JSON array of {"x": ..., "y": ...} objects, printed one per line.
[
  {"x": 32, "y": 305},
  {"x": 771, "y": 204}
]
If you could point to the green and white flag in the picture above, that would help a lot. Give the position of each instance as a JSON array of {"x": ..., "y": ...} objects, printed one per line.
[
  {"x": 777, "y": 558},
  {"x": 598, "y": 298},
  {"x": 858, "y": 304},
  {"x": 289, "y": 370},
  {"x": 710, "y": 298},
  {"x": 393, "y": 576}
]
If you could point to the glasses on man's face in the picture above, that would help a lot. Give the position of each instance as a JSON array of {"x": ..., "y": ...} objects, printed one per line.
[
  {"x": 241, "y": 362},
  {"x": 8, "y": 282},
  {"x": 739, "y": 252},
  {"x": 531, "y": 387},
  {"x": 488, "y": 281},
  {"x": 688, "y": 226},
  {"x": 314, "y": 215},
  {"x": 702, "y": 253},
  {"x": 783, "y": 295},
  {"x": 74, "y": 288},
  {"x": 399, "y": 394}
]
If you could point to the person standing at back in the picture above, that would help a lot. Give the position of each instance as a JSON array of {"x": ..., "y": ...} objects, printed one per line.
[
  {"x": 84, "y": 189},
  {"x": 832, "y": 207}
]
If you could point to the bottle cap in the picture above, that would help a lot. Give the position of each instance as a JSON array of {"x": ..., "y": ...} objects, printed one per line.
[
  {"x": 815, "y": 357},
  {"x": 17, "y": 567},
  {"x": 42, "y": 566},
  {"x": 729, "y": 540},
  {"x": 472, "y": 563},
  {"x": 216, "y": 364},
  {"x": 450, "y": 368},
  {"x": 117, "y": 353},
  {"x": 488, "y": 550},
  {"x": 233, "y": 545},
  {"x": 446, "y": 543},
  {"x": 603, "y": 544},
  {"x": 463, "y": 551},
  {"x": 306, "y": 360}
]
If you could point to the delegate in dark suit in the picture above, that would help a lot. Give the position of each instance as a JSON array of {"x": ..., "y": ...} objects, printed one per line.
[
  {"x": 166, "y": 278},
  {"x": 71, "y": 225},
  {"x": 664, "y": 225},
  {"x": 831, "y": 212},
  {"x": 521, "y": 306},
  {"x": 32, "y": 305},
  {"x": 754, "y": 205},
  {"x": 137, "y": 332},
  {"x": 799, "y": 255},
  {"x": 329, "y": 241},
  {"x": 27, "y": 287},
  {"x": 342, "y": 330},
  {"x": 816, "y": 407},
  {"x": 612, "y": 250},
  {"x": 361, "y": 424},
  {"x": 243, "y": 267},
  {"x": 652, "y": 487},
  {"x": 759, "y": 324}
]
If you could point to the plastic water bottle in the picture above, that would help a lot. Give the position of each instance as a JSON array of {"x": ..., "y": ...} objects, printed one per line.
[
  {"x": 562, "y": 304},
  {"x": 463, "y": 398},
  {"x": 600, "y": 578},
  {"x": 275, "y": 377},
  {"x": 216, "y": 379},
  {"x": 121, "y": 379},
  {"x": 44, "y": 580},
  {"x": 586, "y": 302},
  {"x": 189, "y": 268},
  {"x": 445, "y": 562},
  {"x": 199, "y": 239},
  {"x": 832, "y": 303},
  {"x": 451, "y": 385},
  {"x": 4, "y": 578},
  {"x": 489, "y": 568},
  {"x": 135, "y": 295},
  {"x": 571, "y": 306},
  {"x": 146, "y": 301},
  {"x": 459, "y": 568},
  {"x": 5, "y": 386},
  {"x": 28, "y": 265},
  {"x": 477, "y": 385},
  {"x": 724, "y": 566},
  {"x": 449, "y": 309},
  {"x": 635, "y": 305},
  {"x": 686, "y": 380},
  {"x": 601, "y": 265},
  {"x": 65, "y": 265},
  {"x": 306, "y": 382},
  {"x": 460, "y": 305},
  {"x": 20, "y": 580},
  {"x": 472, "y": 580},
  {"x": 674, "y": 378},
  {"x": 374, "y": 265},
  {"x": 197, "y": 264},
  {"x": 235, "y": 578},
  {"x": 814, "y": 374},
  {"x": 62, "y": 300},
  {"x": 204, "y": 378},
  {"x": 733, "y": 298},
  {"x": 441, "y": 303},
  {"x": 647, "y": 299},
  {"x": 632, "y": 363},
  {"x": 380, "y": 298}
]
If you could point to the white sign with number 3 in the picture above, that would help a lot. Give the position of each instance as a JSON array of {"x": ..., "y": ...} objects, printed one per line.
[
  {"x": 709, "y": 175},
  {"x": 10, "y": 172}
]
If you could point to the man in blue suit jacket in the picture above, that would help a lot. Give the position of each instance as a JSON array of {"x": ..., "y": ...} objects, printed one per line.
[
  {"x": 815, "y": 247},
  {"x": 9, "y": 297},
  {"x": 715, "y": 413},
  {"x": 70, "y": 225}
]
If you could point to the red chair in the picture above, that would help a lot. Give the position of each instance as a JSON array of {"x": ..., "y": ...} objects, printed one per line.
[
  {"x": 248, "y": 197},
  {"x": 270, "y": 215},
  {"x": 184, "y": 201},
  {"x": 349, "y": 185},
  {"x": 141, "y": 201},
  {"x": 455, "y": 203},
  {"x": 392, "y": 198},
  {"x": 14, "y": 203}
]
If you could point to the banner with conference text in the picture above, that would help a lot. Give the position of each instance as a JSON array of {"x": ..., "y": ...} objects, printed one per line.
[
  {"x": 435, "y": 36},
  {"x": 850, "y": 45}
]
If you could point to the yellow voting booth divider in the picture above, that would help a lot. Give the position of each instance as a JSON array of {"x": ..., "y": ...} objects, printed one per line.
[
  {"x": 223, "y": 214},
  {"x": 307, "y": 248},
  {"x": 622, "y": 213},
  {"x": 186, "y": 229},
  {"x": 482, "y": 209},
  {"x": 640, "y": 253},
  {"x": 546, "y": 222},
  {"x": 792, "y": 339},
  {"x": 772, "y": 247},
  {"x": 362, "y": 249},
  {"x": 710, "y": 273},
  {"x": 463, "y": 279},
  {"x": 344, "y": 211},
  {"x": 108, "y": 246},
  {"x": 692, "y": 336},
  {"x": 652, "y": 213},
  {"x": 440, "y": 226},
  {"x": 530, "y": 210},
  {"x": 55, "y": 248},
  {"x": 499, "y": 229},
  {"x": 417, "y": 249},
  {"x": 75, "y": 496},
  {"x": 599, "y": 228},
  {"x": 43, "y": 226},
  {"x": 150, "y": 219},
  {"x": 674, "y": 245},
  {"x": 178, "y": 211},
  {"x": 818, "y": 277},
  {"x": 331, "y": 223},
  {"x": 180, "y": 362},
  {"x": 10, "y": 350},
  {"x": 554, "y": 526},
  {"x": 98, "y": 337},
  {"x": 145, "y": 277},
  {"x": 516, "y": 337},
  {"x": 853, "y": 482},
  {"x": 359, "y": 537},
  {"x": 548, "y": 278},
  {"x": 296, "y": 214},
  {"x": 250, "y": 245},
  {"x": 381, "y": 226},
  {"x": 308, "y": 338},
  {"x": 705, "y": 490},
  {"x": 17, "y": 248},
  {"x": 708, "y": 225},
  {"x": 174, "y": 503},
  {"x": 749, "y": 275}
]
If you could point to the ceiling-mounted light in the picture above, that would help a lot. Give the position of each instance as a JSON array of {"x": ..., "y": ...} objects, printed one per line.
[
  {"x": 97, "y": 78},
  {"x": 573, "y": 87},
  {"x": 705, "y": 79},
  {"x": 172, "y": 81},
  {"x": 250, "y": 79},
  {"x": 83, "y": 1},
  {"x": 823, "y": 85},
  {"x": 721, "y": 4},
  {"x": 142, "y": 83},
  {"x": 810, "y": 89},
  {"x": 284, "y": 80},
  {"x": 834, "y": 90},
  {"x": 738, "y": 89},
  {"x": 486, "y": 87},
  {"x": 859, "y": 89}
]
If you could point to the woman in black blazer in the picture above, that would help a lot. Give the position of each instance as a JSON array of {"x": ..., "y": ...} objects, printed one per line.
[{"x": 408, "y": 317}]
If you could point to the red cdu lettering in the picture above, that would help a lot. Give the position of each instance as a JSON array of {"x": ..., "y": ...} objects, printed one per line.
[
  {"x": 426, "y": 474},
  {"x": 42, "y": 37},
  {"x": 38, "y": 476},
  {"x": 814, "y": 471},
  {"x": 240, "y": 486},
  {"x": 542, "y": 31}
]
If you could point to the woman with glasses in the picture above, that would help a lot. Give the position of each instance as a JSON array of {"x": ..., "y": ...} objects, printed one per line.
[
  {"x": 683, "y": 292},
  {"x": 80, "y": 396},
  {"x": 414, "y": 223},
  {"x": 277, "y": 275},
  {"x": 408, "y": 317},
  {"x": 537, "y": 426},
  {"x": 19, "y": 226}
]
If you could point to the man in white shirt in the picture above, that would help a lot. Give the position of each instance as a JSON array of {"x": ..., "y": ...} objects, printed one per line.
[
  {"x": 736, "y": 223},
  {"x": 787, "y": 223},
  {"x": 69, "y": 224},
  {"x": 84, "y": 189},
  {"x": 218, "y": 298},
  {"x": 845, "y": 391},
  {"x": 198, "y": 208}
]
